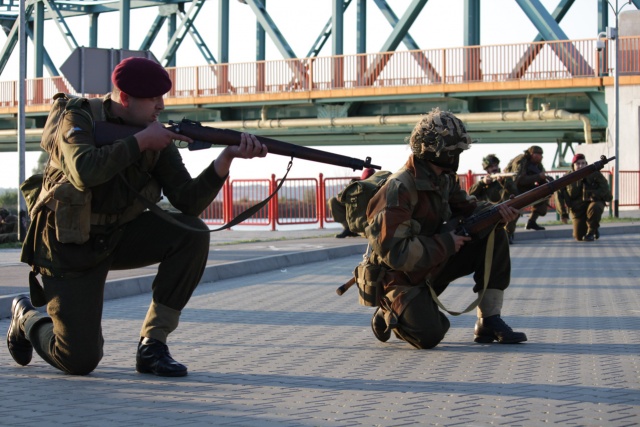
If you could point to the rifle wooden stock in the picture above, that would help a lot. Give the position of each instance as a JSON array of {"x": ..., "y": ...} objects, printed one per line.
[
  {"x": 344, "y": 288},
  {"x": 502, "y": 175},
  {"x": 205, "y": 137},
  {"x": 475, "y": 224}
]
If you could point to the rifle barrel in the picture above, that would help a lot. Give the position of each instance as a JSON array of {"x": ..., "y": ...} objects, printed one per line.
[
  {"x": 207, "y": 136},
  {"x": 204, "y": 137}
]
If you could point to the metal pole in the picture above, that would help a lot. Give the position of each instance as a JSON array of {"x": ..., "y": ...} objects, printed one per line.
[
  {"x": 22, "y": 41},
  {"x": 616, "y": 91}
]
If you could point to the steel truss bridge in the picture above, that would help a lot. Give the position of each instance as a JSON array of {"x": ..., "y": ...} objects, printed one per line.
[{"x": 549, "y": 90}]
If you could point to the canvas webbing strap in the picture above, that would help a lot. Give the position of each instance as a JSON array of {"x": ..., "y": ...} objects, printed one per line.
[
  {"x": 488, "y": 261},
  {"x": 235, "y": 221}
]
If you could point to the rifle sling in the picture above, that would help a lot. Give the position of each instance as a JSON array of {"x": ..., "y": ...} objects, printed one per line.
[
  {"x": 488, "y": 261},
  {"x": 235, "y": 221}
]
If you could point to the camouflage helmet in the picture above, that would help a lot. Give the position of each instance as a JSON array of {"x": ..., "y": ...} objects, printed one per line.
[
  {"x": 440, "y": 137},
  {"x": 490, "y": 160}
]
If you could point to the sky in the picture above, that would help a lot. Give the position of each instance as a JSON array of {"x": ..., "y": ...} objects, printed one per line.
[{"x": 440, "y": 24}]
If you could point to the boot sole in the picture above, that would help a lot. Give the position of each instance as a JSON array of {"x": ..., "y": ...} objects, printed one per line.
[
  {"x": 489, "y": 340},
  {"x": 167, "y": 374}
]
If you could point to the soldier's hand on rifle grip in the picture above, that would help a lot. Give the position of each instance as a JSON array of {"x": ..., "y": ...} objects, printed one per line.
[
  {"x": 156, "y": 137},
  {"x": 459, "y": 241},
  {"x": 487, "y": 179},
  {"x": 248, "y": 148},
  {"x": 508, "y": 213}
]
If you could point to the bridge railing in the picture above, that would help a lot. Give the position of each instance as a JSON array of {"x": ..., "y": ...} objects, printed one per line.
[
  {"x": 305, "y": 200},
  {"x": 539, "y": 61}
]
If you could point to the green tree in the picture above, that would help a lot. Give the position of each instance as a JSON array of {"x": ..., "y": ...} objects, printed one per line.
[
  {"x": 42, "y": 162},
  {"x": 9, "y": 200}
]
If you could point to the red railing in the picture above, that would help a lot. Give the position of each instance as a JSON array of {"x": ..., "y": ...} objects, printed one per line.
[
  {"x": 304, "y": 200},
  {"x": 540, "y": 61}
]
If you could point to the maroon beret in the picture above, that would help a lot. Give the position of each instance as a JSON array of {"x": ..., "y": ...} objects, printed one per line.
[
  {"x": 367, "y": 173},
  {"x": 141, "y": 78},
  {"x": 577, "y": 157}
]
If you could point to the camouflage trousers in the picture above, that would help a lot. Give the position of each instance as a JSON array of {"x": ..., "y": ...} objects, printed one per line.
[{"x": 418, "y": 319}]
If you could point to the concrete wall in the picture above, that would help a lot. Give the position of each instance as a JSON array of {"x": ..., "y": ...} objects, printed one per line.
[{"x": 629, "y": 149}]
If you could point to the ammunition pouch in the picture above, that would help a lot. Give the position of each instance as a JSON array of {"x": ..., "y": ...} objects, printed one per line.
[
  {"x": 30, "y": 190},
  {"x": 72, "y": 209},
  {"x": 369, "y": 278}
]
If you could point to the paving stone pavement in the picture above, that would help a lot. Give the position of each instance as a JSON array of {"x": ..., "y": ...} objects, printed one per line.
[{"x": 281, "y": 348}]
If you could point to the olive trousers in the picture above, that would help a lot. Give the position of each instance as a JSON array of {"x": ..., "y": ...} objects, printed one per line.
[
  {"x": 421, "y": 322},
  {"x": 70, "y": 338}
]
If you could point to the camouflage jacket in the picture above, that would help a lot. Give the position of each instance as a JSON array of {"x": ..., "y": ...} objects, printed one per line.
[
  {"x": 593, "y": 188},
  {"x": 495, "y": 192},
  {"x": 527, "y": 173},
  {"x": 408, "y": 235}
]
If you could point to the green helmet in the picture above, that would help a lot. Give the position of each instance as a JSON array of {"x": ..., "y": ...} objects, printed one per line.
[
  {"x": 490, "y": 160},
  {"x": 440, "y": 137}
]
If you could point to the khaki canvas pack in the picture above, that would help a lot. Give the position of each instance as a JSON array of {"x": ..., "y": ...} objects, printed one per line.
[
  {"x": 356, "y": 198},
  {"x": 512, "y": 166},
  {"x": 369, "y": 276},
  {"x": 71, "y": 205}
]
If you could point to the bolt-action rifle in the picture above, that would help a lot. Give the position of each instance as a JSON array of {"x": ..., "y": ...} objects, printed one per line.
[
  {"x": 205, "y": 136},
  {"x": 477, "y": 223},
  {"x": 502, "y": 175}
]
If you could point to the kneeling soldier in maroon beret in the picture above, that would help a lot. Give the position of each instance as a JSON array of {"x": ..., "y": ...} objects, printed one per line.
[{"x": 100, "y": 184}]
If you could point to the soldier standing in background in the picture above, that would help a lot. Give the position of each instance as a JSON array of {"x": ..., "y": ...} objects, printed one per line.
[
  {"x": 586, "y": 200},
  {"x": 529, "y": 173},
  {"x": 495, "y": 189}
]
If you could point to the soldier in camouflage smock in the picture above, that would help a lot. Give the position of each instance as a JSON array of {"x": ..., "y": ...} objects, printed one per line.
[
  {"x": 410, "y": 239},
  {"x": 586, "y": 200},
  {"x": 495, "y": 190},
  {"x": 93, "y": 185}
]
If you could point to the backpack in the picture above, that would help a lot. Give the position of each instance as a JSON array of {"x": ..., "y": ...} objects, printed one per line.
[
  {"x": 512, "y": 166},
  {"x": 356, "y": 197},
  {"x": 31, "y": 189}
]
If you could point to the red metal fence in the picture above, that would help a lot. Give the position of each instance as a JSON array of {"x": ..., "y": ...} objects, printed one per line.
[{"x": 305, "y": 200}]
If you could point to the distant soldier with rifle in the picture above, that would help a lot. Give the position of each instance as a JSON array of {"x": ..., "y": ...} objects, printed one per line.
[
  {"x": 415, "y": 245},
  {"x": 529, "y": 173},
  {"x": 585, "y": 200},
  {"x": 495, "y": 187},
  {"x": 88, "y": 220}
]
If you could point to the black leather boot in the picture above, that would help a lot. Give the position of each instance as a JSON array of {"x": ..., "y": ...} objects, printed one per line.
[
  {"x": 379, "y": 326},
  {"x": 532, "y": 225},
  {"x": 20, "y": 347},
  {"x": 493, "y": 328},
  {"x": 346, "y": 233},
  {"x": 153, "y": 357}
]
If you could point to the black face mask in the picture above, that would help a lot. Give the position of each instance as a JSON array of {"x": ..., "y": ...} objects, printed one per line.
[{"x": 448, "y": 160}]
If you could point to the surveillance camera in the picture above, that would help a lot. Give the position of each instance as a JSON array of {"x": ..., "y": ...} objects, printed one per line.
[{"x": 599, "y": 44}]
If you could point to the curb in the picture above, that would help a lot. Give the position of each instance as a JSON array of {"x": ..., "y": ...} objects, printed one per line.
[
  {"x": 130, "y": 286},
  {"x": 136, "y": 285}
]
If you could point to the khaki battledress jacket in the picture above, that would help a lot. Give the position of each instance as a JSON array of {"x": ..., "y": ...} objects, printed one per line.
[
  {"x": 575, "y": 196},
  {"x": 410, "y": 238},
  {"x": 97, "y": 170}
]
